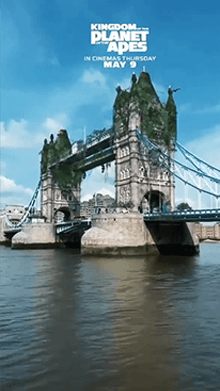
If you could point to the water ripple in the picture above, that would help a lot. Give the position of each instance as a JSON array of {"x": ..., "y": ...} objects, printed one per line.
[{"x": 70, "y": 322}]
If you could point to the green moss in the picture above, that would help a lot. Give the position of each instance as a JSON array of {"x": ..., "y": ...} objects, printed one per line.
[
  {"x": 157, "y": 122},
  {"x": 45, "y": 157},
  {"x": 66, "y": 176},
  {"x": 170, "y": 132},
  {"x": 63, "y": 144},
  {"x": 59, "y": 149},
  {"x": 146, "y": 102},
  {"x": 121, "y": 109}
]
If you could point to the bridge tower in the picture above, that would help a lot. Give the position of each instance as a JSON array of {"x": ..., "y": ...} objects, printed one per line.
[
  {"x": 60, "y": 185},
  {"x": 140, "y": 181}
]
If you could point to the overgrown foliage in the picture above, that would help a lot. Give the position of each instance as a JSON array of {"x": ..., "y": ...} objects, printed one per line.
[
  {"x": 183, "y": 206},
  {"x": 156, "y": 121},
  {"x": 122, "y": 109},
  {"x": 170, "y": 130},
  {"x": 65, "y": 175}
]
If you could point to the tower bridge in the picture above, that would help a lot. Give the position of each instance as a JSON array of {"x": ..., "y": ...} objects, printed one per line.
[
  {"x": 142, "y": 143},
  {"x": 138, "y": 178}
]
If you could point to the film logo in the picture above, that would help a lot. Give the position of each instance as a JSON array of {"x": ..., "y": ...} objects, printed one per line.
[{"x": 120, "y": 38}]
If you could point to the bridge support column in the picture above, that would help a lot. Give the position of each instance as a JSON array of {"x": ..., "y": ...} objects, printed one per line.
[
  {"x": 127, "y": 234},
  {"x": 117, "y": 234},
  {"x": 35, "y": 235},
  {"x": 134, "y": 164},
  {"x": 127, "y": 167},
  {"x": 47, "y": 196}
]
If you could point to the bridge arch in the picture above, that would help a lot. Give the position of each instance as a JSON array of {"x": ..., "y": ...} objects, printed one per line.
[
  {"x": 62, "y": 214},
  {"x": 156, "y": 200}
]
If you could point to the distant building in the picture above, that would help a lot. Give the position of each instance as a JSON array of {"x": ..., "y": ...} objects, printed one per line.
[
  {"x": 9, "y": 215},
  {"x": 98, "y": 204},
  {"x": 14, "y": 212},
  {"x": 207, "y": 231}
]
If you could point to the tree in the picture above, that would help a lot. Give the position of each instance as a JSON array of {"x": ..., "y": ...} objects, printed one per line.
[{"x": 183, "y": 206}]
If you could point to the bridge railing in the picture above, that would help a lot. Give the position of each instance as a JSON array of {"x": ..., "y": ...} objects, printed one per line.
[
  {"x": 187, "y": 215},
  {"x": 103, "y": 137},
  {"x": 69, "y": 225}
]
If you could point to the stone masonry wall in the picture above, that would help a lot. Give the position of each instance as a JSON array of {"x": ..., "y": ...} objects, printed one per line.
[{"x": 35, "y": 235}]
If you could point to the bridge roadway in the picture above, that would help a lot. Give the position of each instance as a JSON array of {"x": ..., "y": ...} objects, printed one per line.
[
  {"x": 200, "y": 215},
  {"x": 197, "y": 215},
  {"x": 91, "y": 155},
  {"x": 72, "y": 227},
  {"x": 79, "y": 226}
]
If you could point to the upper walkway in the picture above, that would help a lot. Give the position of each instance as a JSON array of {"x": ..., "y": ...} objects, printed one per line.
[{"x": 92, "y": 154}]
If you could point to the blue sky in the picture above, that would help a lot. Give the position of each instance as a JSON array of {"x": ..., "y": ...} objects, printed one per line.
[{"x": 47, "y": 85}]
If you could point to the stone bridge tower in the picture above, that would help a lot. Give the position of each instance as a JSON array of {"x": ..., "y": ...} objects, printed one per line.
[
  {"x": 139, "y": 180},
  {"x": 60, "y": 187}
]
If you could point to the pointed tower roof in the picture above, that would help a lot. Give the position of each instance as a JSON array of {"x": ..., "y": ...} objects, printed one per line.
[
  {"x": 171, "y": 117},
  {"x": 170, "y": 101},
  {"x": 145, "y": 86}
]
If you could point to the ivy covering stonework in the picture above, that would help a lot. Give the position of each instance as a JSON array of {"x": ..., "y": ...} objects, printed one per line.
[
  {"x": 64, "y": 174},
  {"x": 122, "y": 109},
  {"x": 170, "y": 131},
  {"x": 157, "y": 121}
]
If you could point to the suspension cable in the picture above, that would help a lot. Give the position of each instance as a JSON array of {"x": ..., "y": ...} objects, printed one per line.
[
  {"x": 30, "y": 206},
  {"x": 185, "y": 152},
  {"x": 160, "y": 155}
]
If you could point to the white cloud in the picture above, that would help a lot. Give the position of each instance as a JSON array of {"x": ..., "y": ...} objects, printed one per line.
[
  {"x": 207, "y": 147},
  {"x": 94, "y": 77},
  {"x": 13, "y": 193},
  {"x": 187, "y": 107},
  {"x": 15, "y": 135},
  {"x": 55, "y": 124},
  {"x": 209, "y": 110},
  {"x": 106, "y": 192},
  {"x": 18, "y": 134},
  {"x": 87, "y": 197},
  {"x": 125, "y": 83},
  {"x": 8, "y": 185},
  {"x": 97, "y": 182},
  {"x": 190, "y": 201},
  {"x": 184, "y": 107}
]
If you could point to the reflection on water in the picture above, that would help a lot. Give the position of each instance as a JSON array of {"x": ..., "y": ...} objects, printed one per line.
[{"x": 70, "y": 322}]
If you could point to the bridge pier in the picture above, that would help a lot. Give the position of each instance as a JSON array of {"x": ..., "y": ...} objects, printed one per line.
[
  {"x": 128, "y": 234},
  {"x": 117, "y": 234},
  {"x": 35, "y": 235}
]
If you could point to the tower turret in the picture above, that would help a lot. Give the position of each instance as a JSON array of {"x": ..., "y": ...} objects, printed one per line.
[{"x": 171, "y": 117}]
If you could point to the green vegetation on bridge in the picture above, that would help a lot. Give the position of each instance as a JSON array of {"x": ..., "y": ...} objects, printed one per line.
[
  {"x": 70, "y": 168},
  {"x": 157, "y": 120}
]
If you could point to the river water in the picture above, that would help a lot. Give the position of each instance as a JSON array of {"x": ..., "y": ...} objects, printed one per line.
[{"x": 70, "y": 322}]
